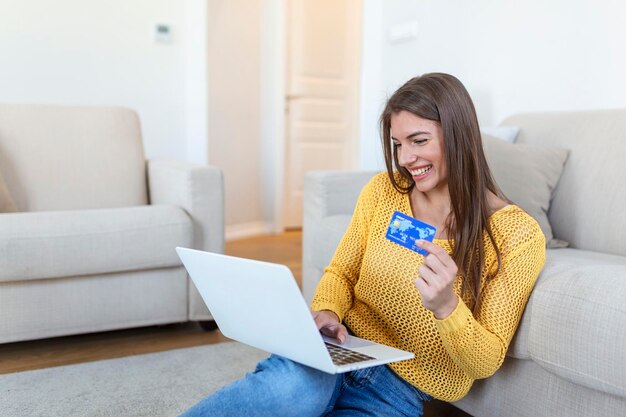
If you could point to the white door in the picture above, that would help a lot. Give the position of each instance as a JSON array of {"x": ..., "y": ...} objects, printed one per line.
[{"x": 323, "y": 56}]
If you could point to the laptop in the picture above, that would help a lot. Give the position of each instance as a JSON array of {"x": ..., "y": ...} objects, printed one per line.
[{"x": 259, "y": 304}]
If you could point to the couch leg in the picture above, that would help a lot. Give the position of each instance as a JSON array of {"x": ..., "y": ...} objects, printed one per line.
[{"x": 208, "y": 325}]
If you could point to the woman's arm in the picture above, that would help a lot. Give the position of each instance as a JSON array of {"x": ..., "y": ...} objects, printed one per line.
[
  {"x": 478, "y": 342},
  {"x": 335, "y": 290}
]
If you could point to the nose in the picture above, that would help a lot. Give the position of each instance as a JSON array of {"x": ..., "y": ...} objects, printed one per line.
[{"x": 406, "y": 156}]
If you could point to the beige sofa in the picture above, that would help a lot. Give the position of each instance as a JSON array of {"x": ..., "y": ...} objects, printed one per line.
[
  {"x": 90, "y": 245},
  {"x": 568, "y": 357}
]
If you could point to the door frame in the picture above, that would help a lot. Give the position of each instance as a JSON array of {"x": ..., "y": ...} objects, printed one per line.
[
  {"x": 273, "y": 121},
  {"x": 273, "y": 90}
]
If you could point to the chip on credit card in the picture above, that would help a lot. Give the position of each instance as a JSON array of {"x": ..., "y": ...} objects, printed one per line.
[{"x": 406, "y": 230}]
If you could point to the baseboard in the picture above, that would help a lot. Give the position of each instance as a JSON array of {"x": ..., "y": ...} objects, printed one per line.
[{"x": 245, "y": 230}]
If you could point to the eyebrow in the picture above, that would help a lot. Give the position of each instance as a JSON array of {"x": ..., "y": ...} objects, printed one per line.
[{"x": 412, "y": 135}]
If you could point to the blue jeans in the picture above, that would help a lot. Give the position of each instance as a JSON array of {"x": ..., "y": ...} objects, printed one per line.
[{"x": 280, "y": 387}]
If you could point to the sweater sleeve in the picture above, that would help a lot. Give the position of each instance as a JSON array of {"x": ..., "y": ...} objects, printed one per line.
[
  {"x": 335, "y": 291},
  {"x": 478, "y": 342}
]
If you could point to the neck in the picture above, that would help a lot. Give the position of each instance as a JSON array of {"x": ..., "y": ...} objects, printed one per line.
[
  {"x": 437, "y": 200},
  {"x": 433, "y": 208}
]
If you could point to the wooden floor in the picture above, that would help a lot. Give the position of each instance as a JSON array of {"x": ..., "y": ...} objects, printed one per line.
[{"x": 285, "y": 248}]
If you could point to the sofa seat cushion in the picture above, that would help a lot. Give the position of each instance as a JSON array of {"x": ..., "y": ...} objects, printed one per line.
[
  {"x": 557, "y": 261},
  {"x": 38, "y": 245},
  {"x": 576, "y": 323}
]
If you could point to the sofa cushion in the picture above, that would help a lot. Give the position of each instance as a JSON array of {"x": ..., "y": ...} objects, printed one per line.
[
  {"x": 558, "y": 261},
  {"x": 527, "y": 175},
  {"x": 7, "y": 205},
  {"x": 72, "y": 158},
  {"x": 577, "y": 321},
  {"x": 506, "y": 133},
  {"x": 70, "y": 243},
  {"x": 587, "y": 203}
]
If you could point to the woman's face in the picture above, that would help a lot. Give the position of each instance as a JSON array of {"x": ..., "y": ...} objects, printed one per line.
[{"x": 419, "y": 143}]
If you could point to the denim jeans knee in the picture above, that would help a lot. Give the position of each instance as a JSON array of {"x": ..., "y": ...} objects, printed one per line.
[
  {"x": 277, "y": 387},
  {"x": 378, "y": 391}
]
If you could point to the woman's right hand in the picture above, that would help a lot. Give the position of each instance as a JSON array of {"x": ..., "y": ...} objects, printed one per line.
[{"x": 329, "y": 325}]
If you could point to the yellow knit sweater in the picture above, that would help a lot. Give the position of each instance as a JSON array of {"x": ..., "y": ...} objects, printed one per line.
[{"x": 369, "y": 285}]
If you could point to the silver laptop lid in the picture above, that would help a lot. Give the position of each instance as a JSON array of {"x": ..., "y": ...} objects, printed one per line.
[{"x": 257, "y": 303}]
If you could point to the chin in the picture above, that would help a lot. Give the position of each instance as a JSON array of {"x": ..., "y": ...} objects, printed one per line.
[{"x": 427, "y": 186}]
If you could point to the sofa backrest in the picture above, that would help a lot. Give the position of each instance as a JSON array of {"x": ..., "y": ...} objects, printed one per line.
[
  {"x": 588, "y": 206},
  {"x": 63, "y": 158}
]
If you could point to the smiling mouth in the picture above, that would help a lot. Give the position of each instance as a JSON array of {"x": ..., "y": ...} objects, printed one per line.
[{"x": 421, "y": 171}]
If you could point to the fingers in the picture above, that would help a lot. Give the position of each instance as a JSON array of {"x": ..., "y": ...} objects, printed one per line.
[
  {"x": 433, "y": 263},
  {"x": 437, "y": 259},
  {"x": 435, "y": 274},
  {"x": 324, "y": 318},
  {"x": 328, "y": 324},
  {"x": 427, "y": 275},
  {"x": 430, "y": 283},
  {"x": 435, "y": 250},
  {"x": 432, "y": 271},
  {"x": 435, "y": 282},
  {"x": 422, "y": 286},
  {"x": 336, "y": 331}
]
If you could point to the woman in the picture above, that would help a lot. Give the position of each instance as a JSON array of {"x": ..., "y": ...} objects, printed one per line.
[{"x": 456, "y": 308}]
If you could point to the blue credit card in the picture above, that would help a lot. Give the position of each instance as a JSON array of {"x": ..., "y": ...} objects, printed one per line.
[{"x": 405, "y": 230}]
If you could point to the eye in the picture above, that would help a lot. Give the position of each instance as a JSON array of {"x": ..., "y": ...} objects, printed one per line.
[
  {"x": 396, "y": 144},
  {"x": 420, "y": 141}
]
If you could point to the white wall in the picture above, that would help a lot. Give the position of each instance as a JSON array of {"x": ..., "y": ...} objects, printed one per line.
[
  {"x": 513, "y": 57},
  {"x": 99, "y": 53},
  {"x": 198, "y": 96},
  {"x": 272, "y": 105}
]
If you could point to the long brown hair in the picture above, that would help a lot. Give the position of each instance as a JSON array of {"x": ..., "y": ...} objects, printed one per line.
[{"x": 443, "y": 98}]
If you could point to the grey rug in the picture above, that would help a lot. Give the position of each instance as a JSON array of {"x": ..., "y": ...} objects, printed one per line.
[{"x": 156, "y": 384}]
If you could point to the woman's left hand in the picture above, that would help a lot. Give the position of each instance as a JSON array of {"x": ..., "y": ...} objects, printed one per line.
[{"x": 436, "y": 280}]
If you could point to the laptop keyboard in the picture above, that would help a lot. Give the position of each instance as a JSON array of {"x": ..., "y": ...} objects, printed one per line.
[{"x": 343, "y": 356}]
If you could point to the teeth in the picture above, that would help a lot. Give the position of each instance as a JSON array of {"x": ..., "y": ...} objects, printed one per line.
[{"x": 420, "y": 171}]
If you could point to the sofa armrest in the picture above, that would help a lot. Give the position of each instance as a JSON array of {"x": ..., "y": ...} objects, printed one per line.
[
  {"x": 326, "y": 194},
  {"x": 198, "y": 189}
]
